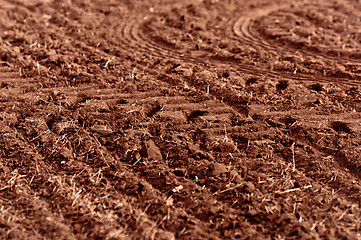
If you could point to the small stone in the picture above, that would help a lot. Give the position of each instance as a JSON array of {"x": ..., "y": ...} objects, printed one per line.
[
  {"x": 102, "y": 129},
  {"x": 195, "y": 150},
  {"x": 177, "y": 189},
  {"x": 153, "y": 152},
  {"x": 216, "y": 169}
]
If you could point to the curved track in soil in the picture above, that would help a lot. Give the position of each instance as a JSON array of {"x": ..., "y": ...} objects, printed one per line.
[
  {"x": 267, "y": 29},
  {"x": 167, "y": 120}
]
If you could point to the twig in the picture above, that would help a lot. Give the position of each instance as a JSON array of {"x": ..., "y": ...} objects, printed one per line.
[
  {"x": 293, "y": 189},
  {"x": 229, "y": 189},
  {"x": 109, "y": 61},
  {"x": 293, "y": 157}
]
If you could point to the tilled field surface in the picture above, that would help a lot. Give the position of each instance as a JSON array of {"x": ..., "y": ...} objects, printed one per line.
[{"x": 165, "y": 119}]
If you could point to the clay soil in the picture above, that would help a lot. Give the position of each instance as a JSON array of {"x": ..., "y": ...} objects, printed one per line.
[{"x": 165, "y": 119}]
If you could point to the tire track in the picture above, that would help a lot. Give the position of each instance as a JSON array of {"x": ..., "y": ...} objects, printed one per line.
[
  {"x": 247, "y": 31},
  {"x": 134, "y": 31}
]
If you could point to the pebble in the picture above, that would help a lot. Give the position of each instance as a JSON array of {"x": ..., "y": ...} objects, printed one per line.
[
  {"x": 153, "y": 152},
  {"x": 216, "y": 169}
]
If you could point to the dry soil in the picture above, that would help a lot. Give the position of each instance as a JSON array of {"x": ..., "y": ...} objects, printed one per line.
[{"x": 165, "y": 119}]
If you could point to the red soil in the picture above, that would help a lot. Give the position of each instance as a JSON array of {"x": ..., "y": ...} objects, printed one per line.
[{"x": 164, "y": 119}]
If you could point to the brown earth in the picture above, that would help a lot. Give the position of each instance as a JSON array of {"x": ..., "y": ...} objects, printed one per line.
[{"x": 164, "y": 119}]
